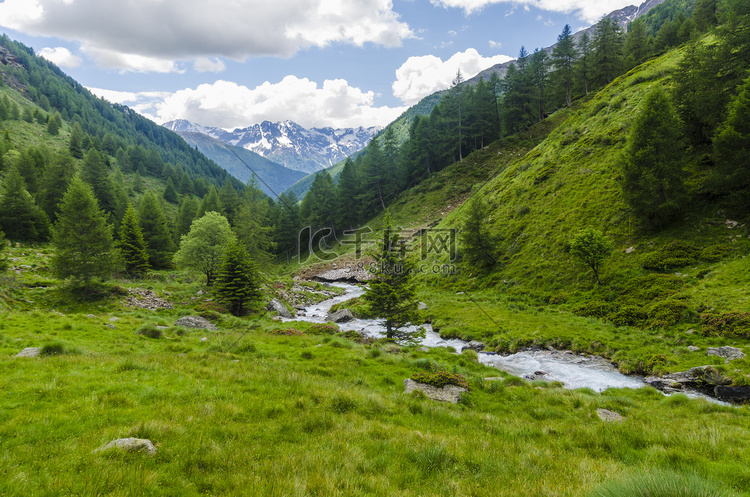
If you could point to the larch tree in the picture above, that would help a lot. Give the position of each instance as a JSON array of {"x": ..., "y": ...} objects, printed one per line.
[
  {"x": 563, "y": 59},
  {"x": 82, "y": 238},
  {"x": 20, "y": 218},
  {"x": 132, "y": 244},
  {"x": 478, "y": 244}
]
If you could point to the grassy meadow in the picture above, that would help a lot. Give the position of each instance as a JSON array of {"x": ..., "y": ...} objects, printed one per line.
[{"x": 268, "y": 408}]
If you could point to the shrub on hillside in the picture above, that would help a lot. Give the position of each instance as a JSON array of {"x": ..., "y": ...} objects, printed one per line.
[
  {"x": 628, "y": 315},
  {"x": 323, "y": 329},
  {"x": 674, "y": 255},
  {"x": 714, "y": 253},
  {"x": 440, "y": 379},
  {"x": 593, "y": 308},
  {"x": 149, "y": 330},
  {"x": 667, "y": 312},
  {"x": 728, "y": 324}
]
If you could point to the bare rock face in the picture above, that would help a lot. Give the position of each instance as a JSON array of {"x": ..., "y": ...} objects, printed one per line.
[
  {"x": 277, "y": 306},
  {"x": 729, "y": 353},
  {"x": 196, "y": 322},
  {"x": 448, "y": 393},
  {"x": 340, "y": 316},
  {"x": 142, "y": 445}
]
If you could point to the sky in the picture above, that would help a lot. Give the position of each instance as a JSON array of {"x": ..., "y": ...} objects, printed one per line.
[{"x": 234, "y": 63}]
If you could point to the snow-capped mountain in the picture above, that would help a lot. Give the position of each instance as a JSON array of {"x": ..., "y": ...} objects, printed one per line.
[{"x": 289, "y": 144}]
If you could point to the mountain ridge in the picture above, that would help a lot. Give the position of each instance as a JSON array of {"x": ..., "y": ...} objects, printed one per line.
[{"x": 287, "y": 143}]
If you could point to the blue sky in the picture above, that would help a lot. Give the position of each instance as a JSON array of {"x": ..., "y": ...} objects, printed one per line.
[{"x": 234, "y": 63}]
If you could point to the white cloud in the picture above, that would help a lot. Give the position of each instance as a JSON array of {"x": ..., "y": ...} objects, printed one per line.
[
  {"x": 149, "y": 35},
  {"x": 206, "y": 64},
  {"x": 495, "y": 44},
  {"x": 60, "y": 56},
  {"x": 422, "y": 76},
  {"x": 228, "y": 105},
  {"x": 587, "y": 10}
]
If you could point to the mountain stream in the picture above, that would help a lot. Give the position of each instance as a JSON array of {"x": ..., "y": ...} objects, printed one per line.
[{"x": 572, "y": 370}]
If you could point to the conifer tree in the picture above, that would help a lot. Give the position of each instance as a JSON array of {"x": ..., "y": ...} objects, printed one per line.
[
  {"x": 55, "y": 182},
  {"x": 732, "y": 147},
  {"x": 54, "y": 124},
  {"x": 563, "y": 59},
  {"x": 607, "y": 51},
  {"x": 253, "y": 226},
  {"x": 170, "y": 194},
  {"x": 346, "y": 191},
  {"x": 238, "y": 280},
  {"x": 287, "y": 223},
  {"x": 82, "y": 238},
  {"x": 210, "y": 203},
  {"x": 75, "y": 145},
  {"x": 156, "y": 232},
  {"x": 4, "y": 264},
  {"x": 652, "y": 163},
  {"x": 96, "y": 173},
  {"x": 478, "y": 245},
  {"x": 132, "y": 245},
  {"x": 20, "y": 218},
  {"x": 203, "y": 247},
  {"x": 185, "y": 216},
  {"x": 391, "y": 294}
]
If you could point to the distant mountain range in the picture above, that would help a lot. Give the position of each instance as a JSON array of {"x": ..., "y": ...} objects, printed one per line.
[
  {"x": 287, "y": 143},
  {"x": 240, "y": 163}
]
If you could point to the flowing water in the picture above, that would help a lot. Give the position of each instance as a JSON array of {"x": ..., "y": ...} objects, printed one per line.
[{"x": 574, "y": 371}]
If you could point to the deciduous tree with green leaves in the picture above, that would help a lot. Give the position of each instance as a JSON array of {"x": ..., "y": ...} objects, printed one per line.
[
  {"x": 591, "y": 247},
  {"x": 202, "y": 249}
]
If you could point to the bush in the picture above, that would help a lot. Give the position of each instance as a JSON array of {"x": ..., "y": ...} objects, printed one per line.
[
  {"x": 667, "y": 312},
  {"x": 728, "y": 324},
  {"x": 52, "y": 349},
  {"x": 628, "y": 315},
  {"x": 149, "y": 330},
  {"x": 323, "y": 329},
  {"x": 593, "y": 308},
  {"x": 674, "y": 255},
  {"x": 440, "y": 379},
  {"x": 286, "y": 331},
  {"x": 714, "y": 253}
]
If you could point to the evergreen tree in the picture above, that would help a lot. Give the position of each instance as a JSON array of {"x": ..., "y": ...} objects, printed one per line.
[
  {"x": 186, "y": 184},
  {"x": 132, "y": 245},
  {"x": 478, "y": 245},
  {"x": 391, "y": 293},
  {"x": 238, "y": 280},
  {"x": 732, "y": 147},
  {"x": 636, "y": 43},
  {"x": 539, "y": 72},
  {"x": 55, "y": 182},
  {"x": 54, "y": 124},
  {"x": 346, "y": 190},
  {"x": 170, "y": 194},
  {"x": 96, "y": 173},
  {"x": 210, "y": 203},
  {"x": 185, "y": 216},
  {"x": 607, "y": 51},
  {"x": 652, "y": 164},
  {"x": 156, "y": 232},
  {"x": 4, "y": 264},
  {"x": 253, "y": 226},
  {"x": 82, "y": 238},
  {"x": 203, "y": 247},
  {"x": 563, "y": 59},
  {"x": 20, "y": 218},
  {"x": 75, "y": 145},
  {"x": 138, "y": 183},
  {"x": 318, "y": 208},
  {"x": 287, "y": 223},
  {"x": 229, "y": 200},
  {"x": 704, "y": 14}
]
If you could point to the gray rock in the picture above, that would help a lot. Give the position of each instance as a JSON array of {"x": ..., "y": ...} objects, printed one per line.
[
  {"x": 729, "y": 353},
  {"x": 732, "y": 394},
  {"x": 693, "y": 348},
  {"x": 340, "y": 316},
  {"x": 277, "y": 306},
  {"x": 609, "y": 416},
  {"x": 448, "y": 393},
  {"x": 424, "y": 349},
  {"x": 698, "y": 377},
  {"x": 29, "y": 352},
  {"x": 110, "y": 326},
  {"x": 422, "y": 306},
  {"x": 196, "y": 322},
  {"x": 114, "y": 319},
  {"x": 131, "y": 445}
]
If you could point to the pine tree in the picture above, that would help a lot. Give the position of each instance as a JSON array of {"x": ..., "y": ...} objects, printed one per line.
[
  {"x": 82, "y": 238},
  {"x": 636, "y": 43},
  {"x": 563, "y": 59},
  {"x": 96, "y": 173},
  {"x": 390, "y": 294},
  {"x": 54, "y": 124},
  {"x": 478, "y": 245},
  {"x": 185, "y": 216},
  {"x": 652, "y": 163},
  {"x": 170, "y": 194},
  {"x": 238, "y": 280},
  {"x": 156, "y": 232},
  {"x": 210, "y": 203},
  {"x": 732, "y": 147},
  {"x": 132, "y": 245},
  {"x": 75, "y": 145},
  {"x": 253, "y": 227},
  {"x": 607, "y": 51},
  {"x": 203, "y": 247},
  {"x": 4, "y": 263},
  {"x": 20, "y": 218},
  {"x": 287, "y": 223},
  {"x": 55, "y": 182},
  {"x": 346, "y": 190}
]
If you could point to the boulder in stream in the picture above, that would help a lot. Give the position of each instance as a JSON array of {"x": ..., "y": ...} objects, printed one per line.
[
  {"x": 277, "y": 306},
  {"x": 340, "y": 316}
]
